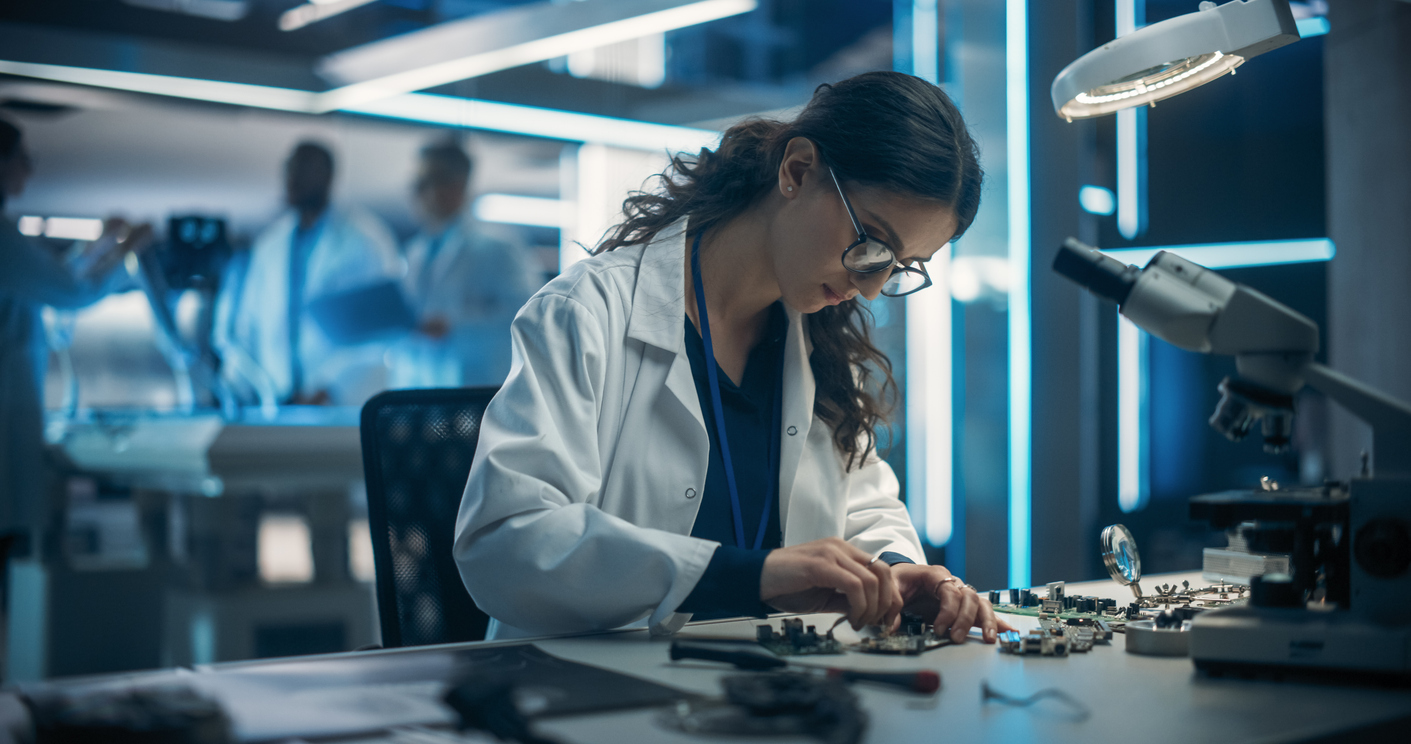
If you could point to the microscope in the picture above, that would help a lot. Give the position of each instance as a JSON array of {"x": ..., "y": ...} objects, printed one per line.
[{"x": 1345, "y": 603}]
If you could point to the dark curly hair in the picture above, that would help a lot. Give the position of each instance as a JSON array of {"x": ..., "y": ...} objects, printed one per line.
[{"x": 884, "y": 129}]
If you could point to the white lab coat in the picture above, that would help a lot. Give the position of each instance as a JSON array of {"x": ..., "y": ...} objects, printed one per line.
[
  {"x": 477, "y": 284},
  {"x": 354, "y": 249},
  {"x": 30, "y": 277},
  {"x": 578, "y": 511}
]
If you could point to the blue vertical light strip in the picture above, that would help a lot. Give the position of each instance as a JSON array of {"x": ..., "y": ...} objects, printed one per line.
[
  {"x": 1131, "y": 140},
  {"x": 930, "y": 451},
  {"x": 1016, "y": 44},
  {"x": 1133, "y": 417}
]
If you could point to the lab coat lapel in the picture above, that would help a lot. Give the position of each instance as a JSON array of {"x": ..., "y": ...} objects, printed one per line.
[
  {"x": 659, "y": 312},
  {"x": 799, "y": 388}
]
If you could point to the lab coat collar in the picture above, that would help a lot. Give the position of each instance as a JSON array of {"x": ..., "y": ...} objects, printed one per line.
[{"x": 658, "y": 307}]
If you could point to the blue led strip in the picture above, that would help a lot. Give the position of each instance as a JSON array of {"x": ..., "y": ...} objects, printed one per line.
[{"x": 1020, "y": 348}]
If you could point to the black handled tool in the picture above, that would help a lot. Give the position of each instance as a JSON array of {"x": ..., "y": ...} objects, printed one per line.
[{"x": 923, "y": 680}]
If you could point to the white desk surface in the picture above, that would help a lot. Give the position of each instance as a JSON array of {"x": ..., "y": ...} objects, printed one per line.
[{"x": 1132, "y": 698}]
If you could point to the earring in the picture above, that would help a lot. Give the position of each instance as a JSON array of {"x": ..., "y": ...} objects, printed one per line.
[{"x": 791, "y": 188}]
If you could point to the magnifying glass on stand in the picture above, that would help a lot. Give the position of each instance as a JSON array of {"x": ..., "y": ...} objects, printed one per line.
[{"x": 1119, "y": 554}]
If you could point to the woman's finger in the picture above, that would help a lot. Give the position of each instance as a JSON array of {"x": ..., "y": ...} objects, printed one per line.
[
  {"x": 988, "y": 621},
  {"x": 965, "y": 618},
  {"x": 948, "y": 594},
  {"x": 889, "y": 599},
  {"x": 830, "y": 574},
  {"x": 869, "y": 614}
]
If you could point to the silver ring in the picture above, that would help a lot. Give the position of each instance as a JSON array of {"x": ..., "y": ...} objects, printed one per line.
[{"x": 875, "y": 557}]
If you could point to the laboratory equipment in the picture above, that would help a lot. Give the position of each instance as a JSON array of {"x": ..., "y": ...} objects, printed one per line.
[
  {"x": 1346, "y": 603},
  {"x": 1171, "y": 57}
]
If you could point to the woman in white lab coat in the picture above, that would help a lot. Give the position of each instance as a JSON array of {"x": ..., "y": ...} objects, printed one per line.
[
  {"x": 31, "y": 276},
  {"x": 710, "y": 356}
]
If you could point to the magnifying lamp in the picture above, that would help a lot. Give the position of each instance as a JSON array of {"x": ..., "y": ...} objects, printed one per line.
[{"x": 1171, "y": 57}]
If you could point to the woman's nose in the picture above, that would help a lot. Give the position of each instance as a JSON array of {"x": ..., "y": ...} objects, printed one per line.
[{"x": 870, "y": 285}]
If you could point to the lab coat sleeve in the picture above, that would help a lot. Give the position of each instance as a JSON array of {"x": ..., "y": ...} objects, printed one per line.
[
  {"x": 32, "y": 275},
  {"x": 877, "y": 520},
  {"x": 533, "y": 549}
]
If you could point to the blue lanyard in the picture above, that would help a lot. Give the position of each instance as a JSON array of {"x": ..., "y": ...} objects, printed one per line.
[{"x": 776, "y": 419}]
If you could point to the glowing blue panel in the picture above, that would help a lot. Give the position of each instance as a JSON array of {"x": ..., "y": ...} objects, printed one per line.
[
  {"x": 1234, "y": 255},
  {"x": 1097, "y": 200},
  {"x": 1315, "y": 26},
  {"x": 1016, "y": 46}
]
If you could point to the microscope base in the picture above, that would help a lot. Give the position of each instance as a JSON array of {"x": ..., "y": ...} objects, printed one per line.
[{"x": 1260, "y": 640}]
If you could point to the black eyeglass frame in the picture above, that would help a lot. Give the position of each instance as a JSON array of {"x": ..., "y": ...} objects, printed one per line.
[{"x": 863, "y": 237}]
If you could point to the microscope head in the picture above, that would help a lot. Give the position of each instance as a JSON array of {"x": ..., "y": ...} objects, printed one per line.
[{"x": 1196, "y": 309}]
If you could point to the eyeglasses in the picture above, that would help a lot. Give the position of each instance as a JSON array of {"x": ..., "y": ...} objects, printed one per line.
[{"x": 868, "y": 255}]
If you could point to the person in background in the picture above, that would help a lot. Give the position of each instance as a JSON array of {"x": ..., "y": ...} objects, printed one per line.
[
  {"x": 311, "y": 250},
  {"x": 465, "y": 286},
  {"x": 32, "y": 276}
]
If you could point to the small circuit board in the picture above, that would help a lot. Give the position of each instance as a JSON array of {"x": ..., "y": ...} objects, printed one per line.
[
  {"x": 913, "y": 636},
  {"x": 1057, "y": 637},
  {"x": 1184, "y": 599},
  {"x": 793, "y": 639}
]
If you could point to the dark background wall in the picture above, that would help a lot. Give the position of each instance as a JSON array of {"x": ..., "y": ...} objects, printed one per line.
[{"x": 1368, "y": 120}]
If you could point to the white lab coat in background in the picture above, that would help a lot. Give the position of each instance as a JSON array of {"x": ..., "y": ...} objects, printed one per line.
[
  {"x": 30, "y": 278},
  {"x": 354, "y": 249},
  {"x": 477, "y": 284},
  {"x": 592, "y": 458}
]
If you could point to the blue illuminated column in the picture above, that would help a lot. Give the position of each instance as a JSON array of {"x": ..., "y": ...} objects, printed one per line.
[
  {"x": 1020, "y": 330},
  {"x": 1131, "y": 140},
  {"x": 930, "y": 450}
]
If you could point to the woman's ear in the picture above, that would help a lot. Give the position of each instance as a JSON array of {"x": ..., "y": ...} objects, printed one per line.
[{"x": 800, "y": 157}]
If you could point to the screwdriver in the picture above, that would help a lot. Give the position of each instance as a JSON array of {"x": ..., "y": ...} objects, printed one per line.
[{"x": 923, "y": 681}]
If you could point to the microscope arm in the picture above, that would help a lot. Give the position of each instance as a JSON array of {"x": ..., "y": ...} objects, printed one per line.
[{"x": 1390, "y": 418}]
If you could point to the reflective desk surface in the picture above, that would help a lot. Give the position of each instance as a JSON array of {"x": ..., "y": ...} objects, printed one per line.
[{"x": 1132, "y": 698}]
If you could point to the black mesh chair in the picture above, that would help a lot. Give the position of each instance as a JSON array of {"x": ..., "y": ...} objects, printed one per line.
[{"x": 417, "y": 450}]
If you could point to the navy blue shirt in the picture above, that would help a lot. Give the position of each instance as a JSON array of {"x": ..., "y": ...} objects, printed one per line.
[{"x": 730, "y": 585}]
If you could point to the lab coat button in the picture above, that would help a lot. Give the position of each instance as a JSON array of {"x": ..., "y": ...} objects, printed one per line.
[
  {"x": 690, "y": 493},
  {"x": 793, "y": 430}
]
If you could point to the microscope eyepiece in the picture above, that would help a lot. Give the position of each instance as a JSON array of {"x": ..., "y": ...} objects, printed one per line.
[{"x": 1102, "y": 275}]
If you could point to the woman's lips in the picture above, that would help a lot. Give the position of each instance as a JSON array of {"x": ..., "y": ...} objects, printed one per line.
[{"x": 833, "y": 297}]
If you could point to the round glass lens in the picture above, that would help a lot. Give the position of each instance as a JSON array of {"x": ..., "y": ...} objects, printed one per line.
[
  {"x": 868, "y": 257},
  {"x": 903, "y": 282}
]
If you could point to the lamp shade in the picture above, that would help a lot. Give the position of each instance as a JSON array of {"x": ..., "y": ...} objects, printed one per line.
[{"x": 1170, "y": 57}]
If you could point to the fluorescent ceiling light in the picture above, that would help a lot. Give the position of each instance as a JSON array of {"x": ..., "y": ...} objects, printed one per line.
[
  {"x": 538, "y": 122},
  {"x": 448, "y": 111},
  {"x": 31, "y": 226},
  {"x": 521, "y": 210},
  {"x": 1097, "y": 200},
  {"x": 214, "y": 91},
  {"x": 1235, "y": 255},
  {"x": 488, "y": 43},
  {"x": 73, "y": 228},
  {"x": 1164, "y": 59},
  {"x": 302, "y": 15}
]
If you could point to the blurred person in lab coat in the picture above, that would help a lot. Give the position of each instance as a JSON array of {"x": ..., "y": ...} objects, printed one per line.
[
  {"x": 31, "y": 277},
  {"x": 310, "y": 251},
  {"x": 465, "y": 285},
  {"x": 690, "y": 423}
]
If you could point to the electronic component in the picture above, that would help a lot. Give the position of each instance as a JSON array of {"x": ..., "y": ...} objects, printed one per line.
[
  {"x": 912, "y": 636},
  {"x": 795, "y": 640}
]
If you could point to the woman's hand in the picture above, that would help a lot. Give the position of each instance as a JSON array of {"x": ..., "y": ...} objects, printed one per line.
[
  {"x": 831, "y": 575},
  {"x": 932, "y": 592}
]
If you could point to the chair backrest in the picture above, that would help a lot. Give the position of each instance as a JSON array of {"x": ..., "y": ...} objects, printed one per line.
[{"x": 417, "y": 449}]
